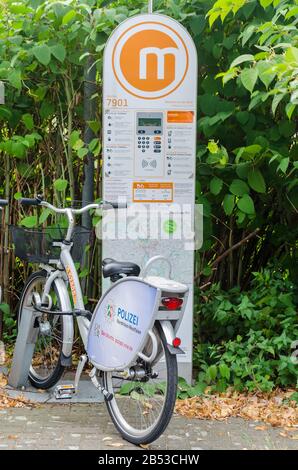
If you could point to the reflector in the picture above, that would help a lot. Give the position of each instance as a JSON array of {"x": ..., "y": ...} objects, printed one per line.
[
  {"x": 172, "y": 303},
  {"x": 176, "y": 342}
]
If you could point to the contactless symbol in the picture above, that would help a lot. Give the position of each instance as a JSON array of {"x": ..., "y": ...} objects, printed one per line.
[{"x": 150, "y": 60}]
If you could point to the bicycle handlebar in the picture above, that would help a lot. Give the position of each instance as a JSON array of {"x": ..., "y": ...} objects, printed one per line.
[
  {"x": 25, "y": 201},
  {"x": 38, "y": 201}
]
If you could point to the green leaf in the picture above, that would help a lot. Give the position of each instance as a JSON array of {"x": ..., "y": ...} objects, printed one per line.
[
  {"x": 74, "y": 136},
  {"x": 283, "y": 166},
  {"x": 207, "y": 271},
  {"x": 69, "y": 16},
  {"x": 44, "y": 215},
  {"x": 240, "y": 217},
  {"x": 276, "y": 100},
  {"x": 247, "y": 33},
  {"x": 5, "y": 113},
  {"x": 28, "y": 121},
  {"x": 82, "y": 152},
  {"x": 94, "y": 126},
  {"x": 256, "y": 181},
  {"x": 248, "y": 78},
  {"x": 197, "y": 24},
  {"x": 212, "y": 146},
  {"x": 239, "y": 187},
  {"x": 291, "y": 55},
  {"x": 228, "y": 203},
  {"x": 5, "y": 308},
  {"x": 30, "y": 222},
  {"x": 242, "y": 117},
  {"x": 212, "y": 372},
  {"x": 60, "y": 185},
  {"x": 14, "y": 79},
  {"x": 59, "y": 52},
  {"x": 224, "y": 371},
  {"x": 266, "y": 3},
  {"x": 84, "y": 273},
  {"x": 42, "y": 53},
  {"x": 290, "y": 109},
  {"x": 216, "y": 185},
  {"x": 242, "y": 58},
  {"x": 266, "y": 74},
  {"x": 246, "y": 204}
]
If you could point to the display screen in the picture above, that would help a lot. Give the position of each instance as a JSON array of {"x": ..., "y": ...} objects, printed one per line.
[{"x": 152, "y": 122}]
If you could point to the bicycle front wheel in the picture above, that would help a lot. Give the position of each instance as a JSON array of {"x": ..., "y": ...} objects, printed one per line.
[
  {"x": 46, "y": 368},
  {"x": 142, "y": 406}
]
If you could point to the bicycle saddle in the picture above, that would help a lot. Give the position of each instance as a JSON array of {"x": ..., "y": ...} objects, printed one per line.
[{"x": 112, "y": 268}]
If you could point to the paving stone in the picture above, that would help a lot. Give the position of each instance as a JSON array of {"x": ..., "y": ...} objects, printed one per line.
[{"x": 82, "y": 426}]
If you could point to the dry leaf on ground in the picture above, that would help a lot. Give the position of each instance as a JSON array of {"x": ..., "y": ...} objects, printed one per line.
[
  {"x": 3, "y": 381},
  {"x": 267, "y": 407}
]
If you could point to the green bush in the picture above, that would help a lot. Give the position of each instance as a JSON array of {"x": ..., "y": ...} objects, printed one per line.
[{"x": 244, "y": 339}]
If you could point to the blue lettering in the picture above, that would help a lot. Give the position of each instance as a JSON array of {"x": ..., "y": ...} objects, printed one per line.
[{"x": 127, "y": 316}]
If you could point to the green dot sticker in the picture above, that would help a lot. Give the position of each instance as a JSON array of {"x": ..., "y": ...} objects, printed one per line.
[{"x": 170, "y": 226}]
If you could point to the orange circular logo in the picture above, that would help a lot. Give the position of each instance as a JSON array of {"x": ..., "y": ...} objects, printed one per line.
[{"x": 150, "y": 60}]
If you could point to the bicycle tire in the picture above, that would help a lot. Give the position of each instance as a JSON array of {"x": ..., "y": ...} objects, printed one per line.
[
  {"x": 171, "y": 394},
  {"x": 59, "y": 369}
]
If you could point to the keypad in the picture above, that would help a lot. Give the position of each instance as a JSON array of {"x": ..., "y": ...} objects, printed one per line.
[{"x": 149, "y": 144}]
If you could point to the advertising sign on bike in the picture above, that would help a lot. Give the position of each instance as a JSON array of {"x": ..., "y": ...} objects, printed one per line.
[{"x": 120, "y": 324}]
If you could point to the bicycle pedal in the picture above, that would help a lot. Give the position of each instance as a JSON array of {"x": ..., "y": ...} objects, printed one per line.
[{"x": 64, "y": 392}]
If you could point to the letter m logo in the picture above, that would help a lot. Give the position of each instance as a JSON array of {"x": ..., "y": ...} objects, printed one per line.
[{"x": 160, "y": 58}]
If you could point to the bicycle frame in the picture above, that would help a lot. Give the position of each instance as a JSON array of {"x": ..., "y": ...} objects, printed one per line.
[
  {"x": 66, "y": 274},
  {"x": 66, "y": 271}
]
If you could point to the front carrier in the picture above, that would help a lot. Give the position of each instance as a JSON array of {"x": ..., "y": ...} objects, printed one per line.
[{"x": 122, "y": 322}]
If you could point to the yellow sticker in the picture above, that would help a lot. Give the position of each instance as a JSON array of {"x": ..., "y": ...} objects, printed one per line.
[{"x": 72, "y": 284}]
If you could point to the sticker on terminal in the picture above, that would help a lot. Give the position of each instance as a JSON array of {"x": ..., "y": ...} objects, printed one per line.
[
  {"x": 180, "y": 117},
  {"x": 152, "y": 192}
]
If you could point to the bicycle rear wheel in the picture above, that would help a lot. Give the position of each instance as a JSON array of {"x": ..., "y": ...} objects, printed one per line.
[
  {"x": 142, "y": 407},
  {"x": 46, "y": 368}
]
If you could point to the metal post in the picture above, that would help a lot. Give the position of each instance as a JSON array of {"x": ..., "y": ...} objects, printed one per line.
[
  {"x": 2, "y": 93},
  {"x": 24, "y": 348},
  {"x": 150, "y": 6}
]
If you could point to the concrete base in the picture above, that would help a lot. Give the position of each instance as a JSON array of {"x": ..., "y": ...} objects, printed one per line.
[
  {"x": 87, "y": 393},
  {"x": 185, "y": 371}
]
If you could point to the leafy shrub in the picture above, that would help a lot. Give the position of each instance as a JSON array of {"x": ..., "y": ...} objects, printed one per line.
[{"x": 244, "y": 339}]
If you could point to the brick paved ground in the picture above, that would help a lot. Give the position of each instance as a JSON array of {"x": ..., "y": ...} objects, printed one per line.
[{"x": 88, "y": 426}]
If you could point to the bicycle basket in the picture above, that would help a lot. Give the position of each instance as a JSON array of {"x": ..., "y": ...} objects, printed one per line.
[{"x": 36, "y": 245}]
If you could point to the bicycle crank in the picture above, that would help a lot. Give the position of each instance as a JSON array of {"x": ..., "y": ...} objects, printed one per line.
[{"x": 107, "y": 395}]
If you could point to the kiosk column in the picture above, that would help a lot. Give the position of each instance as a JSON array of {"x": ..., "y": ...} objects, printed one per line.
[{"x": 149, "y": 142}]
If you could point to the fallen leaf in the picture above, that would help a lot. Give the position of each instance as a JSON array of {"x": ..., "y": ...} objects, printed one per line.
[
  {"x": 3, "y": 381},
  {"x": 270, "y": 408},
  {"x": 261, "y": 428},
  {"x": 144, "y": 446},
  {"x": 115, "y": 444}
]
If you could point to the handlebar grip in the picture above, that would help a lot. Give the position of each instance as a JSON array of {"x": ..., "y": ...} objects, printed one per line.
[
  {"x": 25, "y": 201},
  {"x": 115, "y": 205},
  {"x": 3, "y": 202}
]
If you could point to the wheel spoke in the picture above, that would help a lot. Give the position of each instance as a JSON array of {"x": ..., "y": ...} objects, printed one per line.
[{"x": 138, "y": 406}]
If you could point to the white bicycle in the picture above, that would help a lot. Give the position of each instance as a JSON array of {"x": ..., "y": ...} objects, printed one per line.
[{"x": 130, "y": 338}]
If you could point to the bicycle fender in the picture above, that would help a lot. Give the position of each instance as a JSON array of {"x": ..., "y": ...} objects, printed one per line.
[
  {"x": 68, "y": 327},
  {"x": 169, "y": 332}
]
